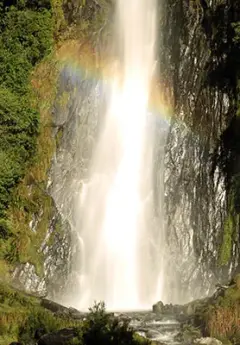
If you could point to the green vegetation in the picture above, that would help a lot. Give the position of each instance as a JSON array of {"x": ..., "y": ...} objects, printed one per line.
[
  {"x": 225, "y": 252},
  {"x": 226, "y": 245},
  {"x": 223, "y": 318},
  {"x": 26, "y": 37},
  {"x": 21, "y": 315},
  {"x": 32, "y": 34},
  {"x": 219, "y": 316},
  {"x": 102, "y": 328}
]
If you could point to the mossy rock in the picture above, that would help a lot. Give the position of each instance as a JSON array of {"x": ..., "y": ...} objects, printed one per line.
[{"x": 236, "y": 280}]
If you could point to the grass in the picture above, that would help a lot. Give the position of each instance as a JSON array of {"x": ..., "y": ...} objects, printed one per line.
[
  {"x": 221, "y": 317},
  {"x": 229, "y": 230},
  {"x": 21, "y": 315},
  {"x": 224, "y": 321},
  {"x": 226, "y": 246}
]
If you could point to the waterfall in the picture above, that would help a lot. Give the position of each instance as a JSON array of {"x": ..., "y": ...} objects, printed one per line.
[{"x": 119, "y": 221}]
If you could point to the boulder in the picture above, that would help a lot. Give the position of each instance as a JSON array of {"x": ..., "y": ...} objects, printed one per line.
[
  {"x": 53, "y": 306},
  {"x": 207, "y": 341},
  {"x": 60, "y": 310},
  {"x": 39, "y": 333},
  {"x": 158, "y": 308},
  {"x": 62, "y": 337},
  {"x": 76, "y": 314}
]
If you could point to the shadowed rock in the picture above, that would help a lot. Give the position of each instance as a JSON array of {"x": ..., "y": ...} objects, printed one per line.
[{"x": 61, "y": 337}]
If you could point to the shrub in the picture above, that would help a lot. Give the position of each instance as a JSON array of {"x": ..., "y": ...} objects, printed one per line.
[
  {"x": 26, "y": 36},
  {"x": 103, "y": 328},
  {"x": 18, "y": 129}
]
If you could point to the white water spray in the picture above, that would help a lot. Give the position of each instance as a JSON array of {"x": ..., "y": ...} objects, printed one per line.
[{"x": 121, "y": 263}]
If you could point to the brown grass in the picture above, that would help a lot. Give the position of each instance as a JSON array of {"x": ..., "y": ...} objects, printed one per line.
[{"x": 224, "y": 321}]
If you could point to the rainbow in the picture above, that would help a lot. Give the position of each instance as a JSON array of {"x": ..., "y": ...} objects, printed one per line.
[{"x": 83, "y": 61}]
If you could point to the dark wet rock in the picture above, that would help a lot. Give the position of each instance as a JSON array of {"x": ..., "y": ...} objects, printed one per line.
[
  {"x": 152, "y": 334},
  {"x": 76, "y": 314},
  {"x": 170, "y": 311},
  {"x": 61, "y": 337},
  {"x": 153, "y": 317},
  {"x": 196, "y": 194},
  {"x": 158, "y": 308},
  {"x": 60, "y": 310},
  {"x": 39, "y": 333},
  {"x": 53, "y": 306},
  {"x": 187, "y": 335}
]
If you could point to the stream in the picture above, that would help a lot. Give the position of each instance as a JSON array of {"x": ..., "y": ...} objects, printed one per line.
[{"x": 149, "y": 325}]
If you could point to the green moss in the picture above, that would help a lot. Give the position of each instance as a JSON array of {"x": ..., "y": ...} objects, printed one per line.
[
  {"x": 140, "y": 340},
  {"x": 226, "y": 246},
  {"x": 63, "y": 100},
  {"x": 224, "y": 340},
  {"x": 58, "y": 229},
  {"x": 231, "y": 296},
  {"x": 58, "y": 16}
]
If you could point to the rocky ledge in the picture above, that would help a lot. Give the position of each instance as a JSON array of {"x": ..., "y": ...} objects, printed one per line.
[{"x": 217, "y": 316}]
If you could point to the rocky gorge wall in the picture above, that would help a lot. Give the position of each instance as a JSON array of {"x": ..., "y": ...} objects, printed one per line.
[
  {"x": 203, "y": 228},
  {"x": 66, "y": 96}
]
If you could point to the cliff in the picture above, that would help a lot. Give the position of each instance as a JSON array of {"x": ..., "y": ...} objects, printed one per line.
[
  {"x": 200, "y": 57},
  {"x": 56, "y": 76}
]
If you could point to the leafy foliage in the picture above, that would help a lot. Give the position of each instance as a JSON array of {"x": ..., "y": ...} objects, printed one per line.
[
  {"x": 103, "y": 328},
  {"x": 26, "y": 37}
]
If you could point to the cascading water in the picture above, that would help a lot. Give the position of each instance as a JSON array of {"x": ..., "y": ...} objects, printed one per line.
[{"x": 119, "y": 226}]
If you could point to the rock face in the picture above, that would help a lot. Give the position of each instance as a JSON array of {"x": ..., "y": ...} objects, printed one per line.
[
  {"x": 195, "y": 189},
  {"x": 77, "y": 126},
  {"x": 75, "y": 121},
  {"x": 55, "y": 256}
]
